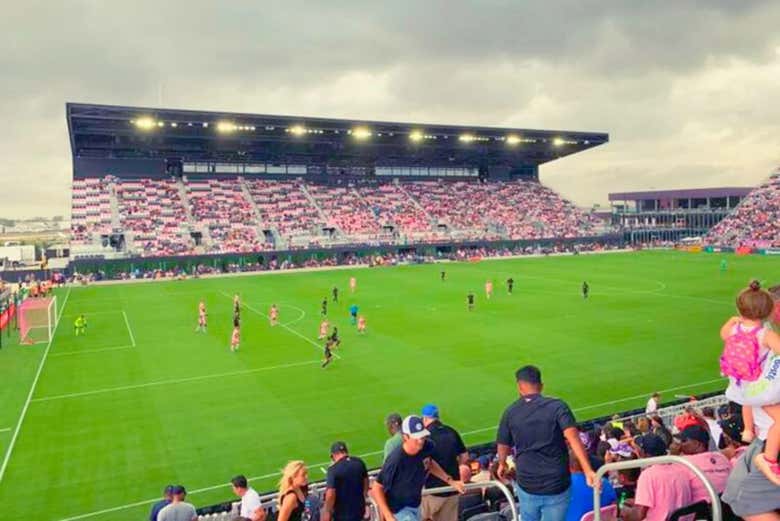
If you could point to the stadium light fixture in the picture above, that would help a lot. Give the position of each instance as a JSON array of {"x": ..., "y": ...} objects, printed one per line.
[
  {"x": 467, "y": 138},
  {"x": 226, "y": 127},
  {"x": 512, "y": 140},
  {"x": 174, "y": 124},
  {"x": 145, "y": 123},
  {"x": 160, "y": 124},
  {"x": 205, "y": 125},
  {"x": 558, "y": 142},
  {"x": 297, "y": 130},
  {"x": 361, "y": 133},
  {"x": 416, "y": 135}
]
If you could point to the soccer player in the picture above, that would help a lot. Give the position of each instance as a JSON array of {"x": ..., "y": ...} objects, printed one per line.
[
  {"x": 510, "y": 284},
  {"x": 324, "y": 311},
  {"x": 470, "y": 301},
  {"x": 80, "y": 325},
  {"x": 585, "y": 290},
  {"x": 334, "y": 338},
  {"x": 724, "y": 265},
  {"x": 353, "y": 311},
  {"x": 488, "y": 289},
  {"x": 352, "y": 284},
  {"x": 328, "y": 354},
  {"x": 201, "y": 317},
  {"x": 324, "y": 329},
  {"x": 236, "y": 303},
  {"x": 273, "y": 315},
  {"x": 235, "y": 339},
  {"x": 335, "y": 294},
  {"x": 361, "y": 324},
  {"x": 236, "y": 318},
  {"x": 443, "y": 275}
]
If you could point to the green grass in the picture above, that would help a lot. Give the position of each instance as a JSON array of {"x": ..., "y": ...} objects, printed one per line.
[{"x": 110, "y": 428}]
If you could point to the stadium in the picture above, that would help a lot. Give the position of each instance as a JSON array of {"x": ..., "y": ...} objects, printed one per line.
[{"x": 244, "y": 298}]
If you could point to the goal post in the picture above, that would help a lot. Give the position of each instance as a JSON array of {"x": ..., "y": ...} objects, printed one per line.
[{"x": 37, "y": 318}]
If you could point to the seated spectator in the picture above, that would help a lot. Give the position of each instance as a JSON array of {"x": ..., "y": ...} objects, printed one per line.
[
  {"x": 581, "y": 494},
  {"x": 178, "y": 509},
  {"x": 659, "y": 429},
  {"x": 731, "y": 444},
  {"x": 626, "y": 489},
  {"x": 292, "y": 491},
  {"x": 714, "y": 427},
  {"x": 694, "y": 442},
  {"x": 484, "y": 470},
  {"x": 251, "y": 508},
  {"x": 661, "y": 489}
]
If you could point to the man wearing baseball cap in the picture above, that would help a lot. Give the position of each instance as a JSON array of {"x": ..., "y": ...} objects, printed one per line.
[
  {"x": 449, "y": 452},
  {"x": 346, "y": 486},
  {"x": 164, "y": 502},
  {"x": 398, "y": 487},
  {"x": 178, "y": 510},
  {"x": 694, "y": 442}
]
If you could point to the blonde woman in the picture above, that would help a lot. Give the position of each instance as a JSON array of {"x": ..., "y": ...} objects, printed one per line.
[{"x": 292, "y": 491}]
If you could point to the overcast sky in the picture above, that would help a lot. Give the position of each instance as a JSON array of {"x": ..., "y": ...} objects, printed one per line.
[{"x": 688, "y": 91}]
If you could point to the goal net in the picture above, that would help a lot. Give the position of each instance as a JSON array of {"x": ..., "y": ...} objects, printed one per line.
[{"x": 37, "y": 317}]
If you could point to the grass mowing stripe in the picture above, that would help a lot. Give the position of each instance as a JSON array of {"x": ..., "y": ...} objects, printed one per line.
[
  {"x": 129, "y": 329},
  {"x": 288, "y": 328},
  {"x": 88, "y": 351},
  {"x": 10, "y": 449},
  {"x": 171, "y": 382}
]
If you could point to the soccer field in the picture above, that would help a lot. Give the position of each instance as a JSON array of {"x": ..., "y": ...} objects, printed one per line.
[{"x": 142, "y": 400}]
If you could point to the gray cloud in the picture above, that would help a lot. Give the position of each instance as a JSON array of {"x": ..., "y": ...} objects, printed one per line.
[{"x": 684, "y": 88}]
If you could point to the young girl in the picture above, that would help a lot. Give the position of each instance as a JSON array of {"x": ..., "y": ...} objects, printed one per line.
[
  {"x": 755, "y": 307},
  {"x": 274, "y": 315},
  {"x": 235, "y": 339}
]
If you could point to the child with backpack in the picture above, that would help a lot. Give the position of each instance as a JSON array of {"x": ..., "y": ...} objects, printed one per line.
[{"x": 749, "y": 341}]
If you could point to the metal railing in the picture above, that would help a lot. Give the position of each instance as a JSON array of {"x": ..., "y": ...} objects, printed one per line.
[{"x": 717, "y": 515}]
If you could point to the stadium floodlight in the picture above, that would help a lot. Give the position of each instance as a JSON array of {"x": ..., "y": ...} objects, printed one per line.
[
  {"x": 205, "y": 125},
  {"x": 559, "y": 141},
  {"x": 145, "y": 123},
  {"x": 174, "y": 124},
  {"x": 416, "y": 135},
  {"x": 512, "y": 140},
  {"x": 160, "y": 124},
  {"x": 297, "y": 130},
  {"x": 467, "y": 138},
  {"x": 226, "y": 127},
  {"x": 361, "y": 133}
]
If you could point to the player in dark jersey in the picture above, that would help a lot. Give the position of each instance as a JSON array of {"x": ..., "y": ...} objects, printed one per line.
[
  {"x": 510, "y": 284},
  {"x": 335, "y": 294},
  {"x": 585, "y": 290},
  {"x": 334, "y": 338},
  {"x": 443, "y": 275},
  {"x": 324, "y": 311},
  {"x": 236, "y": 319},
  {"x": 470, "y": 301},
  {"x": 328, "y": 354}
]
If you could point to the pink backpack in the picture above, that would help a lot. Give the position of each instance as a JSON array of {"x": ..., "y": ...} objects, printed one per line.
[{"x": 740, "y": 358}]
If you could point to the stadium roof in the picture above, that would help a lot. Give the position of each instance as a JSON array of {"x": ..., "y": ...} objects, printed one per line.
[
  {"x": 690, "y": 193},
  {"x": 115, "y": 132}
]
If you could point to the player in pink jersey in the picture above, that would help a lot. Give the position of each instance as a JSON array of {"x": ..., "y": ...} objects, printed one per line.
[
  {"x": 235, "y": 339},
  {"x": 324, "y": 329},
  {"x": 488, "y": 289},
  {"x": 361, "y": 325},
  {"x": 201, "y": 317},
  {"x": 274, "y": 315},
  {"x": 352, "y": 284}
]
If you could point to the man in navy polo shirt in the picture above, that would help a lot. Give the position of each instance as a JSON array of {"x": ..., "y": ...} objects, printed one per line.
[
  {"x": 537, "y": 428},
  {"x": 398, "y": 487}
]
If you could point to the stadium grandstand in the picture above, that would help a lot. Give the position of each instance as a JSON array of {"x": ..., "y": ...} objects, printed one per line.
[
  {"x": 158, "y": 182},
  {"x": 671, "y": 215}
]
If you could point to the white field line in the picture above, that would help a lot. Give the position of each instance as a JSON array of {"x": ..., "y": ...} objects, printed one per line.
[
  {"x": 10, "y": 449},
  {"x": 172, "y": 382},
  {"x": 317, "y": 346},
  {"x": 129, "y": 329},
  {"x": 88, "y": 351},
  {"x": 265, "y": 476},
  {"x": 7, "y": 429}
]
